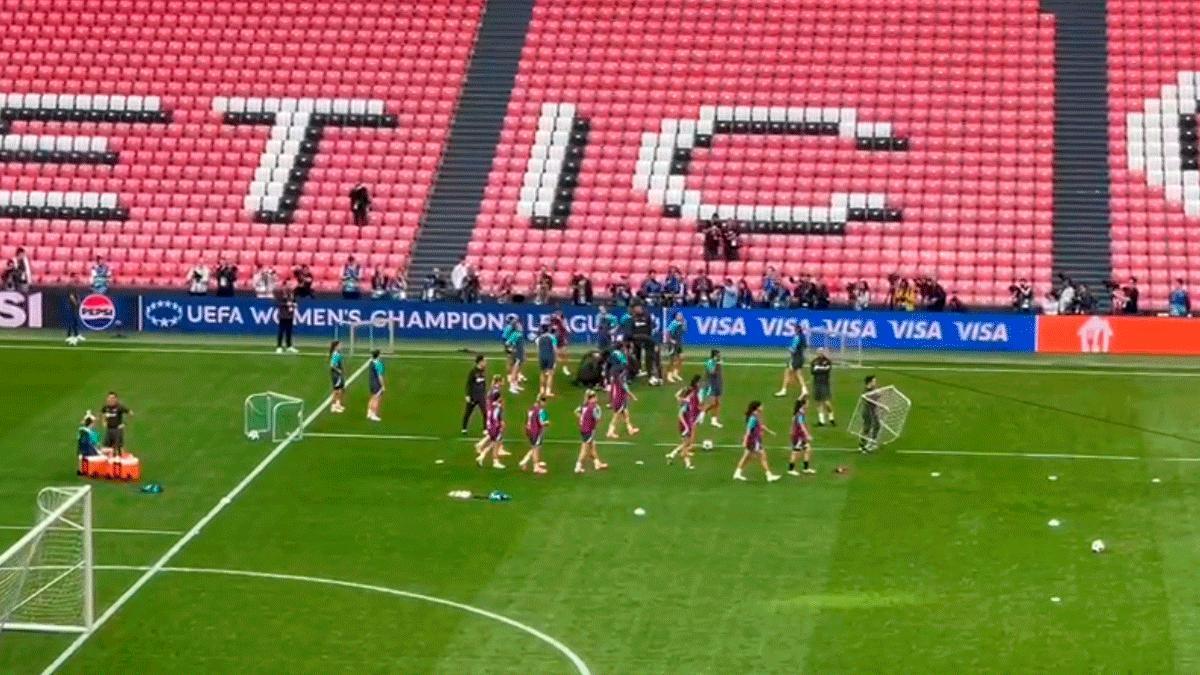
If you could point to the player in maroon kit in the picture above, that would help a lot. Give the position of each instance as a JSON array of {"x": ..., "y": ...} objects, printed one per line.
[
  {"x": 558, "y": 325},
  {"x": 801, "y": 438},
  {"x": 618, "y": 399},
  {"x": 493, "y": 441},
  {"x": 753, "y": 443},
  {"x": 689, "y": 412},
  {"x": 589, "y": 418},
  {"x": 536, "y": 421}
]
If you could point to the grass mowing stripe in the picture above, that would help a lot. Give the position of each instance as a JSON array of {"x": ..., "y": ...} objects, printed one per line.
[{"x": 195, "y": 531}]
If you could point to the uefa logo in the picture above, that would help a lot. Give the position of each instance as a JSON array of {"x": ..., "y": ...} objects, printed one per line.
[{"x": 97, "y": 312}]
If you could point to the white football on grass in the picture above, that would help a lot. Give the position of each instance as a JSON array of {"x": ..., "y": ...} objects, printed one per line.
[{"x": 1098, "y": 546}]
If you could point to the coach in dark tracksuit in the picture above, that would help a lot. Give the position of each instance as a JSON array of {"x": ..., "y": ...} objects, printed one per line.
[
  {"x": 476, "y": 392},
  {"x": 285, "y": 303},
  {"x": 639, "y": 329}
]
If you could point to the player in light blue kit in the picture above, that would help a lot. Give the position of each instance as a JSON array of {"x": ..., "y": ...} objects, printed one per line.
[
  {"x": 673, "y": 336},
  {"x": 337, "y": 377},
  {"x": 375, "y": 371}
]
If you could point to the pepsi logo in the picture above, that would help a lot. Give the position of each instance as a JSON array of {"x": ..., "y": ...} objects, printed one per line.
[{"x": 97, "y": 312}]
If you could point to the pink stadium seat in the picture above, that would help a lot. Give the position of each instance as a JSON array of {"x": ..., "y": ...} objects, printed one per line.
[
  {"x": 190, "y": 177},
  {"x": 977, "y": 114}
]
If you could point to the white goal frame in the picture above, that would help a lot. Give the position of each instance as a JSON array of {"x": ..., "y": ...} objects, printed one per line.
[
  {"x": 22, "y": 556},
  {"x": 378, "y": 333},
  {"x": 843, "y": 349},
  {"x": 273, "y": 405},
  {"x": 893, "y": 430}
]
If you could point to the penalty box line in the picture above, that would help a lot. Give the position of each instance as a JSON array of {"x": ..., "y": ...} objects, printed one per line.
[
  {"x": 195, "y": 531},
  {"x": 734, "y": 446}
]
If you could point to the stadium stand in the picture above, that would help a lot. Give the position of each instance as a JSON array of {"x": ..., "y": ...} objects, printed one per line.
[
  {"x": 159, "y": 133},
  {"x": 1154, "y": 84},
  {"x": 850, "y": 140}
]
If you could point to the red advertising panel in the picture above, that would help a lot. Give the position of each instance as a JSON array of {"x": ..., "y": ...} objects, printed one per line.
[{"x": 1118, "y": 335}]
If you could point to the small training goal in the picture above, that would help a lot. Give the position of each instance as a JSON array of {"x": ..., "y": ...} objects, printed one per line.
[
  {"x": 46, "y": 575},
  {"x": 273, "y": 415},
  {"x": 879, "y": 416},
  {"x": 842, "y": 348}
]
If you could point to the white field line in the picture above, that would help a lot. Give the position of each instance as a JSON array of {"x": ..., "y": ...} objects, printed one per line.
[
  {"x": 818, "y": 449},
  {"x": 194, "y": 532},
  {"x": 574, "y": 658},
  {"x": 109, "y": 530},
  {"x": 463, "y": 357}
]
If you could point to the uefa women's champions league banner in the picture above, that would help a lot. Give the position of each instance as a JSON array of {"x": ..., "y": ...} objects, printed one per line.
[
  {"x": 484, "y": 322},
  {"x": 877, "y": 330}
]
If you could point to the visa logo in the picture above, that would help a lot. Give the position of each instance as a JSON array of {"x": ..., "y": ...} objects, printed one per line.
[
  {"x": 720, "y": 325},
  {"x": 911, "y": 329},
  {"x": 982, "y": 331}
]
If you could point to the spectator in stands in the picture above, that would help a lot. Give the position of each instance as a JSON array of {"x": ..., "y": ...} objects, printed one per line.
[
  {"x": 504, "y": 290},
  {"x": 264, "y": 282},
  {"x": 702, "y": 291},
  {"x": 1050, "y": 303},
  {"x": 1066, "y": 296},
  {"x": 651, "y": 290},
  {"x": 712, "y": 239},
  {"x": 1085, "y": 302},
  {"x": 935, "y": 295},
  {"x": 458, "y": 279},
  {"x": 351, "y": 279},
  {"x": 101, "y": 276},
  {"x": 729, "y": 294},
  {"x": 304, "y": 281},
  {"x": 8, "y": 280},
  {"x": 581, "y": 290},
  {"x": 435, "y": 286},
  {"x": 954, "y": 304},
  {"x": 745, "y": 299},
  {"x": 906, "y": 295},
  {"x": 379, "y": 284},
  {"x": 472, "y": 285},
  {"x": 771, "y": 287},
  {"x": 1131, "y": 293},
  {"x": 859, "y": 295},
  {"x": 731, "y": 240},
  {"x": 543, "y": 286},
  {"x": 1022, "y": 294},
  {"x": 890, "y": 299},
  {"x": 397, "y": 287},
  {"x": 806, "y": 292},
  {"x": 197, "y": 279},
  {"x": 621, "y": 292},
  {"x": 822, "y": 298},
  {"x": 227, "y": 274},
  {"x": 22, "y": 273},
  {"x": 1180, "y": 303},
  {"x": 673, "y": 287},
  {"x": 360, "y": 204}
]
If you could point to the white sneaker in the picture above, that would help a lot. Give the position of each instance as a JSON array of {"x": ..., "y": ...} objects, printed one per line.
[
  {"x": 793, "y": 472},
  {"x": 579, "y": 469},
  {"x": 737, "y": 475},
  {"x": 772, "y": 477},
  {"x": 293, "y": 350},
  {"x": 781, "y": 393},
  {"x": 80, "y": 338},
  {"x": 279, "y": 350},
  {"x": 566, "y": 371},
  {"x": 514, "y": 390},
  {"x": 717, "y": 423},
  {"x": 479, "y": 459},
  {"x": 497, "y": 465},
  {"x": 374, "y": 418},
  {"x": 337, "y": 410},
  {"x": 810, "y": 471}
]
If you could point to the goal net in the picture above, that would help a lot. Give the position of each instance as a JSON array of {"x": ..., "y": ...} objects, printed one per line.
[
  {"x": 842, "y": 348},
  {"x": 368, "y": 335},
  {"x": 273, "y": 415},
  {"x": 46, "y": 576},
  {"x": 880, "y": 415}
]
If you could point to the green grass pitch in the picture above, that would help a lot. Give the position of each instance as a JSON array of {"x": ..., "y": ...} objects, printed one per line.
[{"x": 885, "y": 568}]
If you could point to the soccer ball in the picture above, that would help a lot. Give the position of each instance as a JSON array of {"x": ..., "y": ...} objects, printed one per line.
[
  {"x": 1098, "y": 546},
  {"x": 252, "y": 435},
  {"x": 707, "y": 445}
]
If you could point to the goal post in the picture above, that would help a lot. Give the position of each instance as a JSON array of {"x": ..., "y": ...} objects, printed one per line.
[
  {"x": 46, "y": 577},
  {"x": 842, "y": 348},
  {"x": 880, "y": 415},
  {"x": 272, "y": 415},
  {"x": 371, "y": 334}
]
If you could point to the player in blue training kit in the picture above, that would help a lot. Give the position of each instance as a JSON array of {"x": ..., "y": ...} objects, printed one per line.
[
  {"x": 337, "y": 377},
  {"x": 547, "y": 350},
  {"x": 714, "y": 387},
  {"x": 674, "y": 338},
  {"x": 794, "y": 369},
  {"x": 375, "y": 372},
  {"x": 514, "y": 346}
]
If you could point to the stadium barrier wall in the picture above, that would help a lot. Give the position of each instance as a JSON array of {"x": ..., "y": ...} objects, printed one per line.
[{"x": 1166, "y": 336}]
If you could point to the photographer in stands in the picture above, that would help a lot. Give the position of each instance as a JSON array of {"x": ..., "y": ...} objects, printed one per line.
[
  {"x": 360, "y": 204},
  {"x": 304, "y": 281},
  {"x": 1085, "y": 302},
  {"x": 351, "y": 276},
  {"x": 22, "y": 275},
  {"x": 1022, "y": 296},
  {"x": 227, "y": 274},
  {"x": 1131, "y": 294},
  {"x": 197, "y": 279}
]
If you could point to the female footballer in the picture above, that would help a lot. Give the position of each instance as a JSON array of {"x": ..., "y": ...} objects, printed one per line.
[
  {"x": 714, "y": 388},
  {"x": 793, "y": 371},
  {"x": 514, "y": 346},
  {"x": 536, "y": 421},
  {"x": 493, "y": 440},
  {"x": 689, "y": 411},
  {"x": 618, "y": 399},
  {"x": 801, "y": 439},
  {"x": 547, "y": 350},
  {"x": 375, "y": 370},
  {"x": 589, "y": 418},
  {"x": 337, "y": 376},
  {"x": 752, "y": 442}
]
